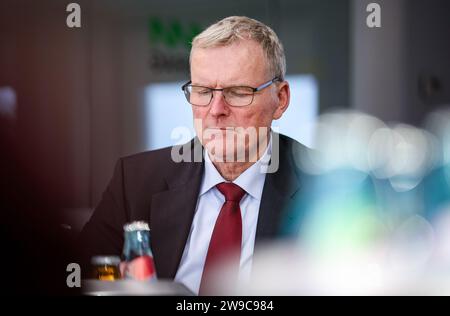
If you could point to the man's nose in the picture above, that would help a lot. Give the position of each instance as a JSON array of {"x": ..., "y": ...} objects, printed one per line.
[{"x": 218, "y": 104}]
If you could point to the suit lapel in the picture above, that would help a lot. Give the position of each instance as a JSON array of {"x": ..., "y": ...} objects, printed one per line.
[
  {"x": 172, "y": 213},
  {"x": 269, "y": 210},
  {"x": 279, "y": 191}
]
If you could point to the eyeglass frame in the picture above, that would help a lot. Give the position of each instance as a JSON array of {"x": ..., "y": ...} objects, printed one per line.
[{"x": 257, "y": 89}]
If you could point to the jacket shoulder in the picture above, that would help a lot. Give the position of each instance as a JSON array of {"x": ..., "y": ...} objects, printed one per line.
[
  {"x": 155, "y": 166},
  {"x": 163, "y": 157},
  {"x": 157, "y": 156}
]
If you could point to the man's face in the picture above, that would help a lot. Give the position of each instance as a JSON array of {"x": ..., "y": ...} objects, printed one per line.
[{"x": 240, "y": 64}]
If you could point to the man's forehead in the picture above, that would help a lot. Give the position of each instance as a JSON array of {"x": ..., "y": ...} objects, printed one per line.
[
  {"x": 247, "y": 49},
  {"x": 235, "y": 64}
]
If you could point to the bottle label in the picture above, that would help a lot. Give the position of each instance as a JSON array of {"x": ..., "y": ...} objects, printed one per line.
[{"x": 141, "y": 268}]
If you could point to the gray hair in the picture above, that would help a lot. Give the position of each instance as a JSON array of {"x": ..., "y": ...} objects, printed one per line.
[{"x": 235, "y": 28}]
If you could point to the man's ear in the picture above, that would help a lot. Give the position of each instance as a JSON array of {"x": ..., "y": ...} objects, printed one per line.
[{"x": 283, "y": 99}]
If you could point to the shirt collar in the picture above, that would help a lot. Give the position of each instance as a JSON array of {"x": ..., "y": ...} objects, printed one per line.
[{"x": 251, "y": 180}]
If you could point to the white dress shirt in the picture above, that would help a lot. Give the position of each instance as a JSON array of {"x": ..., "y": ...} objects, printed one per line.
[{"x": 209, "y": 204}]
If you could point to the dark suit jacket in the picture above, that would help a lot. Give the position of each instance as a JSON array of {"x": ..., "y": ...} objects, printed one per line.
[{"x": 150, "y": 186}]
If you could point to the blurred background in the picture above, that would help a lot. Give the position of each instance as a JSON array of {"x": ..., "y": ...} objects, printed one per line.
[{"x": 74, "y": 100}]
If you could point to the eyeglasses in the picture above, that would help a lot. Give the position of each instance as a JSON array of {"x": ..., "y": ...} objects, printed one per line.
[{"x": 234, "y": 96}]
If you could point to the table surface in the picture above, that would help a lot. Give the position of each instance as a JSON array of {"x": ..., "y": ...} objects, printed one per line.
[{"x": 132, "y": 287}]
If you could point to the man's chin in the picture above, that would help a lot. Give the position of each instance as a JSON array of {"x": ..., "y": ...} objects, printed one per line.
[{"x": 218, "y": 154}]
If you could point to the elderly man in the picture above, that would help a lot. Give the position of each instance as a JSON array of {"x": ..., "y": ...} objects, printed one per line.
[{"x": 202, "y": 211}]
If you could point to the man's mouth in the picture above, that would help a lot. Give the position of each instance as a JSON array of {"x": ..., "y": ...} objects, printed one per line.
[{"x": 222, "y": 128}]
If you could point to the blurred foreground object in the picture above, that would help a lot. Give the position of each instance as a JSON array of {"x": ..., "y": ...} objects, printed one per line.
[
  {"x": 376, "y": 217},
  {"x": 291, "y": 270},
  {"x": 36, "y": 247}
]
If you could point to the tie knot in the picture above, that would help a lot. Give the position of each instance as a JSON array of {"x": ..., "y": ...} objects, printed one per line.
[{"x": 231, "y": 191}]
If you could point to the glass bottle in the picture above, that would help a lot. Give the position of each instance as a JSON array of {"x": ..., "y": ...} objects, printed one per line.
[
  {"x": 106, "y": 268},
  {"x": 137, "y": 254}
]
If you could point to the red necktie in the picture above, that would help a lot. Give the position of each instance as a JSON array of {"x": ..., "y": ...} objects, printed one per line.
[{"x": 227, "y": 235}]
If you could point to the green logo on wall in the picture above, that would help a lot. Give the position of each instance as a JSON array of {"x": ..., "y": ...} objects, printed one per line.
[{"x": 172, "y": 34}]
